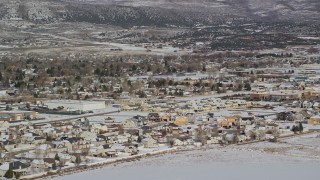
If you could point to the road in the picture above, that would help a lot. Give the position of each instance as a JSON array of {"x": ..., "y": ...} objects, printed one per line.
[
  {"x": 278, "y": 138},
  {"x": 69, "y": 118},
  {"x": 212, "y": 96}
]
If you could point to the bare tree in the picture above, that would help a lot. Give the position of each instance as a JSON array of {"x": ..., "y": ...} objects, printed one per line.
[{"x": 200, "y": 135}]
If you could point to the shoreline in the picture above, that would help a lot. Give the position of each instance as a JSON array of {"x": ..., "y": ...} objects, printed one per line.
[{"x": 97, "y": 165}]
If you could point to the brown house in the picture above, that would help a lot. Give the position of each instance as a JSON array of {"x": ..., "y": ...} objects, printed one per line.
[{"x": 155, "y": 117}]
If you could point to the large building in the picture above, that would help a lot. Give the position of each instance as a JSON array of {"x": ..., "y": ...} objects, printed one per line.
[{"x": 74, "y": 105}]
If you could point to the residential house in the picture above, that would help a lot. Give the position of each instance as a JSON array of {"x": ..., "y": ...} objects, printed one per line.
[
  {"x": 15, "y": 166},
  {"x": 39, "y": 164},
  {"x": 180, "y": 121},
  {"x": 170, "y": 128},
  {"x": 129, "y": 123},
  {"x": 63, "y": 157},
  {"x": 131, "y": 149},
  {"x": 8, "y": 145},
  {"x": 178, "y": 142},
  {"x": 140, "y": 120},
  {"x": 149, "y": 143},
  {"x": 4, "y": 157},
  {"x": 61, "y": 146},
  {"x": 314, "y": 120},
  {"x": 155, "y": 117},
  {"x": 45, "y": 148},
  {"x": 272, "y": 126},
  {"x": 214, "y": 140},
  {"x": 99, "y": 128},
  {"x": 49, "y": 162},
  {"x": 228, "y": 121},
  {"x": 87, "y": 135},
  {"x": 38, "y": 140},
  {"x": 4, "y": 124},
  {"x": 165, "y": 117}
]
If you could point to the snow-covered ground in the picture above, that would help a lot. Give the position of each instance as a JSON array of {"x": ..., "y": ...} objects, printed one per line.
[
  {"x": 287, "y": 159},
  {"x": 211, "y": 96},
  {"x": 158, "y": 51},
  {"x": 54, "y": 117},
  {"x": 119, "y": 117}
]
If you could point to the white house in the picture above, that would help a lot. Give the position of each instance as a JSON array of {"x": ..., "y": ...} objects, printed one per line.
[
  {"x": 88, "y": 135},
  {"x": 129, "y": 123},
  {"x": 178, "y": 142},
  {"x": 149, "y": 143},
  {"x": 38, "y": 163},
  {"x": 214, "y": 140},
  {"x": 4, "y": 124}
]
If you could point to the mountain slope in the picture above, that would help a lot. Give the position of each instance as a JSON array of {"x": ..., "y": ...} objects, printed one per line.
[{"x": 157, "y": 12}]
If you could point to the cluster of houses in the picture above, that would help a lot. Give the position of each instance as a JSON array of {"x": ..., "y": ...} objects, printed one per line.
[
  {"x": 29, "y": 148},
  {"x": 241, "y": 104},
  {"x": 182, "y": 106},
  {"x": 17, "y": 115},
  {"x": 285, "y": 82}
]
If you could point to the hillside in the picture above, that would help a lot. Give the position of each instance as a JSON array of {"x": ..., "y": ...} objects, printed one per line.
[{"x": 154, "y": 12}]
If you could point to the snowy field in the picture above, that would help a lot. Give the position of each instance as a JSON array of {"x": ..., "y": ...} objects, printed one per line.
[
  {"x": 288, "y": 159},
  {"x": 119, "y": 117},
  {"x": 54, "y": 117}
]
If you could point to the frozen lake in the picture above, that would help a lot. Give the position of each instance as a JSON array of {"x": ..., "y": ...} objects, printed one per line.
[
  {"x": 223, "y": 171},
  {"x": 260, "y": 161}
]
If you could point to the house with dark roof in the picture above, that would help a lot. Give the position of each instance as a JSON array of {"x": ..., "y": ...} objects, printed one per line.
[
  {"x": 8, "y": 145},
  {"x": 155, "y": 117},
  {"x": 38, "y": 140},
  {"x": 73, "y": 140},
  {"x": 16, "y": 166},
  {"x": 6, "y": 117}
]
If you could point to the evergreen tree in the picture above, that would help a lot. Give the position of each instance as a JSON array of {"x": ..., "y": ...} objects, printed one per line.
[
  {"x": 139, "y": 139},
  {"x": 295, "y": 128},
  {"x": 189, "y": 69},
  {"x": 17, "y": 175},
  {"x": 49, "y": 138},
  {"x": 78, "y": 78},
  {"x": 129, "y": 83},
  {"x": 170, "y": 83},
  {"x": 218, "y": 89},
  {"x": 8, "y": 108},
  {"x": 247, "y": 87},
  {"x": 28, "y": 105},
  {"x": 213, "y": 87},
  {"x": 56, "y": 157},
  {"x": 54, "y": 166},
  {"x": 239, "y": 87},
  {"x": 204, "y": 68},
  {"x": 78, "y": 160},
  {"x": 300, "y": 127},
  {"x": 86, "y": 97},
  {"x": 97, "y": 71},
  {"x": 134, "y": 67},
  {"x": 9, "y": 174}
]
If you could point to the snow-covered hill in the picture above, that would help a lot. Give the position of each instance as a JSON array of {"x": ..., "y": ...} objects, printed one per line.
[{"x": 157, "y": 12}]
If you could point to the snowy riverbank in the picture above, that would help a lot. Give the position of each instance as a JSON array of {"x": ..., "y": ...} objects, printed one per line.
[{"x": 287, "y": 159}]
